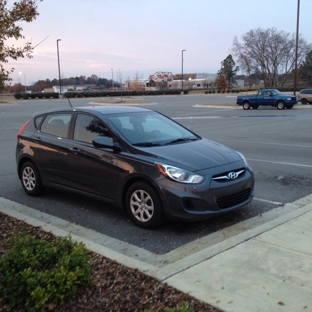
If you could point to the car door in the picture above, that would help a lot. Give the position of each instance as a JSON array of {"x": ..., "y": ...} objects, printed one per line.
[
  {"x": 49, "y": 147},
  {"x": 268, "y": 98},
  {"x": 90, "y": 169}
]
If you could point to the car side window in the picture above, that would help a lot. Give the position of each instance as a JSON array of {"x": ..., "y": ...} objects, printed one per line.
[
  {"x": 56, "y": 124},
  {"x": 88, "y": 127},
  {"x": 267, "y": 93}
]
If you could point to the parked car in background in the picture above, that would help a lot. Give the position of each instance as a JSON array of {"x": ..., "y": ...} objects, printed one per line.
[
  {"x": 135, "y": 158},
  {"x": 305, "y": 96},
  {"x": 268, "y": 97}
]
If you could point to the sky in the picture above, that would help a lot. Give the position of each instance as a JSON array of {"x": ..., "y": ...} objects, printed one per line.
[{"x": 121, "y": 39}]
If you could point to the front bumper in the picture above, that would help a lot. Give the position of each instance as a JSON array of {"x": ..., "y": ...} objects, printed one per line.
[{"x": 209, "y": 199}]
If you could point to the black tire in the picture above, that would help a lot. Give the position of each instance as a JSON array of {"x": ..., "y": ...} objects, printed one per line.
[
  {"x": 31, "y": 180},
  {"x": 304, "y": 101},
  {"x": 280, "y": 105},
  {"x": 144, "y": 206},
  {"x": 246, "y": 105},
  {"x": 255, "y": 106},
  {"x": 289, "y": 106}
]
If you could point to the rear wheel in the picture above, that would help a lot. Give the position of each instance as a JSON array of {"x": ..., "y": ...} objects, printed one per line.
[
  {"x": 280, "y": 105},
  {"x": 144, "y": 206},
  {"x": 246, "y": 105},
  {"x": 31, "y": 180}
]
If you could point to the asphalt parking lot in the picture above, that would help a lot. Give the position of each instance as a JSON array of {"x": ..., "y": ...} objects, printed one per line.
[{"x": 277, "y": 145}]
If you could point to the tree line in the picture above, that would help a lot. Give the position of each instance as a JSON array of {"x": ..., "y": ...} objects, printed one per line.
[
  {"x": 268, "y": 54},
  {"x": 81, "y": 80}
]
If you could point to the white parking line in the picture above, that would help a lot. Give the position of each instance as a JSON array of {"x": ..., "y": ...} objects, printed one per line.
[
  {"x": 268, "y": 143},
  {"x": 268, "y": 201},
  {"x": 279, "y": 162}
]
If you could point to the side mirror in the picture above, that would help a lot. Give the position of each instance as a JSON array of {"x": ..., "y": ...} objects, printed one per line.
[{"x": 105, "y": 142}]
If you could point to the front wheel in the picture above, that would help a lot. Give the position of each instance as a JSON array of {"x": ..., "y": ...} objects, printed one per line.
[
  {"x": 31, "y": 180},
  {"x": 144, "y": 206},
  {"x": 304, "y": 101},
  {"x": 280, "y": 105},
  {"x": 246, "y": 105}
]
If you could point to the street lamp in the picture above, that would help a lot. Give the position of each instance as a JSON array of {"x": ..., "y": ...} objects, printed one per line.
[
  {"x": 59, "y": 69},
  {"x": 296, "y": 53},
  {"x": 112, "y": 78},
  {"x": 24, "y": 80},
  {"x": 182, "y": 71}
]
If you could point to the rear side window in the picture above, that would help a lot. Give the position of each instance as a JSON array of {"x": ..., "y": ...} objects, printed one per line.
[
  {"x": 38, "y": 121},
  {"x": 306, "y": 91},
  {"x": 87, "y": 128},
  {"x": 56, "y": 124}
]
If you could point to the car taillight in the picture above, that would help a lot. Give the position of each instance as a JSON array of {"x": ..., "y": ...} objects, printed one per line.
[{"x": 22, "y": 129}]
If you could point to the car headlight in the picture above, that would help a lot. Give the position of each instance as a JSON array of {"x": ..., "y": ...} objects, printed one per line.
[
  {"x": 288, "y": 99},
  {"x": 179, "y": 175}
]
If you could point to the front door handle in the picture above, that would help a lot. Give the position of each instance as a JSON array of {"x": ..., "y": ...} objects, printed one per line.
[{"x": 74, "y": 150}]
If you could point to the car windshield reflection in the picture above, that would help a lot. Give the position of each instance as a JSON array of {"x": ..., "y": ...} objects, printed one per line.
[{"x": 150, "y": 129}]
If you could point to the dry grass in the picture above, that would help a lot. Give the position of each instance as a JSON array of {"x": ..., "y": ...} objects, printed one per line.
[{"x": 6, "y": 99}]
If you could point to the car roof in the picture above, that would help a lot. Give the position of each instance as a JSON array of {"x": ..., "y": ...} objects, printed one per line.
[
  {"x": 107, "y": 109},
  {"x": 267, "y": 89}
]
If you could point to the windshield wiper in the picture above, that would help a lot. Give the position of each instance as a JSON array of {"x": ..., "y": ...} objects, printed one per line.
[
  {"x": 146, "y": 144},
  {"x": 181, "y": 140}
]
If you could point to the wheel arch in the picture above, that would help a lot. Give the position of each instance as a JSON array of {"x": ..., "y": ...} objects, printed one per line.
[
  {"x": 21, "y": 162},
  {"x": 133, "y": 180},
  {"x": 278, "y": 101},
  {"x": 246, "y": 101}
]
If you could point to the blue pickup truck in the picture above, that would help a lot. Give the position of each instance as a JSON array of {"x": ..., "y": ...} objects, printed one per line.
[{"x": 271, "y": 97}]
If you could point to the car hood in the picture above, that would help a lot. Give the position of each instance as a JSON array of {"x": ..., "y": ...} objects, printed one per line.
[
  {"x": 284, "y": 96},
  {"x": 197, "y": 155}
]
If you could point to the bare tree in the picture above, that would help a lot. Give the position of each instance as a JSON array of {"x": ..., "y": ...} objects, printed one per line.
[{"x": 270, "y": 53}]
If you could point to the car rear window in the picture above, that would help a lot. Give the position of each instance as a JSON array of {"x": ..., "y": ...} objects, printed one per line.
[{"x": 56, "y": 124}]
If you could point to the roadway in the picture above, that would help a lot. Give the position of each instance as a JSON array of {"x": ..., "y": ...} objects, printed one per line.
[{"x": 277, "y": 145}]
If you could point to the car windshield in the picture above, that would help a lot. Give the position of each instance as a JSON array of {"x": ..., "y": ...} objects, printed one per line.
[{"x": 147, "y": 129}]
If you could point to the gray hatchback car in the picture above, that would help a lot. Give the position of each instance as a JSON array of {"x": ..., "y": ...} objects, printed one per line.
[
  {"x": 135, "y": 158},
  {"x": 305, "y": 96}
]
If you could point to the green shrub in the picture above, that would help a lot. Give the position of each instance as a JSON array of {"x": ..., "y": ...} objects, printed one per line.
[{"x": 34, "y": 272}]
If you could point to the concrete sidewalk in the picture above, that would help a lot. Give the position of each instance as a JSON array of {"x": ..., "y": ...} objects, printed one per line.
[
  {"x": 267, "y": 268},
  {"x": 269, "y": 272}
]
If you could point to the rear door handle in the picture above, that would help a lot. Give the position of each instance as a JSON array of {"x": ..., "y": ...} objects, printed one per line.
[{"x": 37, "y": 138}]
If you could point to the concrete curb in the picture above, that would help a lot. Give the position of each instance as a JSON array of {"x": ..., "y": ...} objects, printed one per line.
[{"x": 160, "y": 266}]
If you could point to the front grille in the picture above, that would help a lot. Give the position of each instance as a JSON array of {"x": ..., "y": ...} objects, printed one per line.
[
  {"x": 233, "y": 200},
  {"x": 230, "y": 175}
]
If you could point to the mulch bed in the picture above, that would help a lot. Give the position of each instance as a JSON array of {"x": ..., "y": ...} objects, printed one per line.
[{"x": 113, "y": 287}]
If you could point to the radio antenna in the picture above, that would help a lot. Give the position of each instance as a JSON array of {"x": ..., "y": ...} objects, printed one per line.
[{"x": 69, "y": 102}]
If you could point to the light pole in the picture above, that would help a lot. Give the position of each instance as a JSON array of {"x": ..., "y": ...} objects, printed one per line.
[
  {"x": 59, "y": 68},
  {"x": 24, "y": 80},
  {"x": 182, "y": 71},
  {"x": 296, "y": 53},
  {"x": 112, "y": 78}
]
